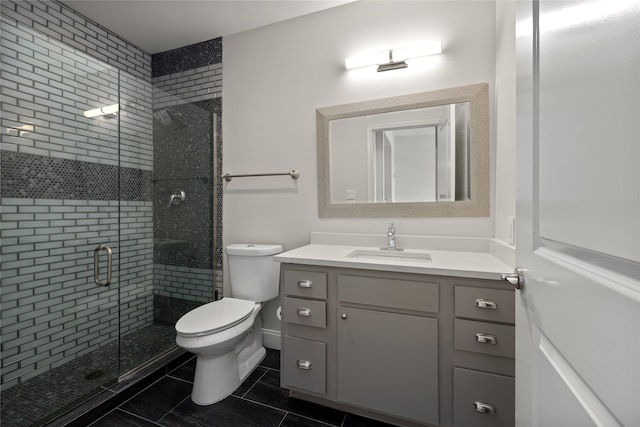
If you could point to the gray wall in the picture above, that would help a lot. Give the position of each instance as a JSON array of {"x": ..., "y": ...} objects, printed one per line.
[{"x": 269, "y": 108}]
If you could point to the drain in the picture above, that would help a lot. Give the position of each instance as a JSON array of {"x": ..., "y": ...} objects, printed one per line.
[{"x": 94, "y": 375}]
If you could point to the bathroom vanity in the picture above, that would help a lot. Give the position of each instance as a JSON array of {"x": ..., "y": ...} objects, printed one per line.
[{"x": 400, "y": 338}]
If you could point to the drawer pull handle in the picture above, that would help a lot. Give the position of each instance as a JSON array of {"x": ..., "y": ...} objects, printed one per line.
[
  {"x": 486, "y": 303},
  {"x": 483, "y": 338},
  {"x": 305, "y": 283},
  {"x": 304, "y": 312},
  {"x": 484, "y": 408},
  {"x": 304, "y": 364}
]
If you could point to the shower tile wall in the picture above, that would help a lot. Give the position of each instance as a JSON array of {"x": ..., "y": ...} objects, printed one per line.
[
  {"x": 188, "y": 83},
  {"x": 56, "y": 202}
]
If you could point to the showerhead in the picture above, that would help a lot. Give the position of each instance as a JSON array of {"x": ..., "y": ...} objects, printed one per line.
[{"x": 169, "y": 119}]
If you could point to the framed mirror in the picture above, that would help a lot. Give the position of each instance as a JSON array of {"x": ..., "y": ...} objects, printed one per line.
[{"x": 418, "y": 155}]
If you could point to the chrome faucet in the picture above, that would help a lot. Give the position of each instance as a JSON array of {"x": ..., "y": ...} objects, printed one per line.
[{"x": 391, "y": 236}]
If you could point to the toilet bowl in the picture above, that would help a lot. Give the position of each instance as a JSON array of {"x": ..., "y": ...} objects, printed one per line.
[
  {"x": 217, "y": 333},
  {"x": 226, "y": 335}
]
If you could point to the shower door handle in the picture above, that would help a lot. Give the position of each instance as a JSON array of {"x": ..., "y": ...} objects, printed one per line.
[{"x": 96, "y": 265}]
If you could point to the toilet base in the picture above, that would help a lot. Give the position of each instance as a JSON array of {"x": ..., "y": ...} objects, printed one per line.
[{"x": 218, "y": 376}]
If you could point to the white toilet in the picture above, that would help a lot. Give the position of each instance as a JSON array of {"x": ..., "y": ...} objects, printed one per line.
[{"x": 226, "y": 335}]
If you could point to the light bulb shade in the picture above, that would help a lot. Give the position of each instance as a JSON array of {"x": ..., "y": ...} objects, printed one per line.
[
  {"x": 398, "y": 54},
  {"x": 103, "y": 111},
  {"x": 367, "y": 59},
  {"x": 424, "y": 49}
]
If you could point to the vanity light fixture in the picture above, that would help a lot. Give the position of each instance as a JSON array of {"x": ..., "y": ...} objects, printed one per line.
[
  {"x": 108, "y": 112},
  {"x": 393, "y": 59}
]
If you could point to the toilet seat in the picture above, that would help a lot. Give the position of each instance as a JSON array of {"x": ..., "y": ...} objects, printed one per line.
[{"x": 214, "y": 317}]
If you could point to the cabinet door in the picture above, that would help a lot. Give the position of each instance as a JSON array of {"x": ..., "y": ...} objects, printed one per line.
[{"x": 389, "y": 363}]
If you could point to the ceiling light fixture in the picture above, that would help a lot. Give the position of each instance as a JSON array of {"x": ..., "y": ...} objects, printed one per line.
[
  {"x": 108, "y": 112},
  {"x": 393, "y": 59}
]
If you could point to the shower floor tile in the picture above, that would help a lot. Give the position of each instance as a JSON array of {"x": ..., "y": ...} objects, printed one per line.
[
  {"x": 259, "y": 402},
  {"x": 27, "y": 403}
]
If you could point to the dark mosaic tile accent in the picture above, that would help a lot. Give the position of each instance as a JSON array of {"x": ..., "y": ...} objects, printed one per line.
[
  {"x": 25, "y": 403},
  {"x": 167, "y": 310},
  {"x": 187, "y": 57},
  {"x": 135, "y": 184},
  {"x": 40, "y": 177},
  {"x": 215, "y": 106},
  {"x": 183, "y": 161}
]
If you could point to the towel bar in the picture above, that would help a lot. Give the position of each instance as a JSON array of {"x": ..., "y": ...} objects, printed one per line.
[{"x": 294, "y": 174}]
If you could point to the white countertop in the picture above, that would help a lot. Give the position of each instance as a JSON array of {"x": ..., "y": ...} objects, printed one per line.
[{"x": 471, "y": 264}]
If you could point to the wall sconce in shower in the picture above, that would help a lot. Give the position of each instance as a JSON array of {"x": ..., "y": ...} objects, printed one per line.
[
  {"x": 108, "y": 112},
  {"x": 393, "y": 59}
]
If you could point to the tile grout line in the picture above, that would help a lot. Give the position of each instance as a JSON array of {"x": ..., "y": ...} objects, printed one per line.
[
  {"x": 181, "y": 402},
  {"x": 254, "y": 384},
  {"x": 259, "y": 403},
  {"x": 136, "y": 415},
  {"x": 243, "y": 397},
  {"x": 287, "y": 412},
  {"x": 179, "y": 379}
]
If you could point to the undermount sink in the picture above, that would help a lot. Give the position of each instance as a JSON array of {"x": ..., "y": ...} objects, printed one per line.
[{"x": 390, "y": 255}]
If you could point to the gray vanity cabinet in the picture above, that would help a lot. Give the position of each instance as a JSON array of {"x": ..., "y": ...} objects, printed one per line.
[
  {"x": 484, "y": 332},
  {"x": 399, "y": 347},
  {"x": 388, "y": 362},
  {"x": 388, "y": 346},
  {"x": 304, "y": 331}
]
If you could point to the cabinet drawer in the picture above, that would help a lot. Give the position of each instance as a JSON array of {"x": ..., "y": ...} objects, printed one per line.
[
  {"x": 495, "y": 305},
  {"x": 483, "y": 337},
  {"x": 305, "y": 312},
  {"x": 304, "y": 364},
  {"x": 489, "y": 392},
  {"x": 392, "y": 293},
  {"x": 310, "y": 284}
]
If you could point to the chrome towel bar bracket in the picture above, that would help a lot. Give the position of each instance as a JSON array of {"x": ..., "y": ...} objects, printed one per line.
[{"x": 294, "y": 174}]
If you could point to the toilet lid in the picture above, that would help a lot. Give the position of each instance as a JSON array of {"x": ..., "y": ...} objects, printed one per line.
[{"x": 214, "y": 316}]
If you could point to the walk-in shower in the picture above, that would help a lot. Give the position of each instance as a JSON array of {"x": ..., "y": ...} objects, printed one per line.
[{"x": 73, "y": 186}]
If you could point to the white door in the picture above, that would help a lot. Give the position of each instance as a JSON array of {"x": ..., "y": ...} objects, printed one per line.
[{"x": 578, "y": 210}]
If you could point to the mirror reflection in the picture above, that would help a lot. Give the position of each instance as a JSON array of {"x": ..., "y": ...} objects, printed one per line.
[
  {"x": 424, "y": 154},
  {"x": 418, "y": 155}
]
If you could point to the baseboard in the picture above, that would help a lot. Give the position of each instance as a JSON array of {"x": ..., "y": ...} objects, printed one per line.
[{"x": 271, "y": 339}]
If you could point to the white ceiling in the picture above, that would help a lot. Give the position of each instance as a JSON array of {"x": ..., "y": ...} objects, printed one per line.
[{"x": 159, "y": 25}]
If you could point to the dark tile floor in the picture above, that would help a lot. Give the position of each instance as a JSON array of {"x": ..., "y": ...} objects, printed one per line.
[
  {"x": 28, "y": 403},
  {"x": 258, "y": 402}
]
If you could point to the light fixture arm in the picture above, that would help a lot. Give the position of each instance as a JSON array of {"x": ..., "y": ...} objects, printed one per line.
[
  {"x": 404, "y": 53},
  {"x": 391, "y": 65}
]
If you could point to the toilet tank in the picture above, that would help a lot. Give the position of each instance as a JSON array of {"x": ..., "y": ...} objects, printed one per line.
[{"x": 253, "y": 274}]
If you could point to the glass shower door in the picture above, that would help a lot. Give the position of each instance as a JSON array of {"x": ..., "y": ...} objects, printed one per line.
[{"x": 60, "y": 217}]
